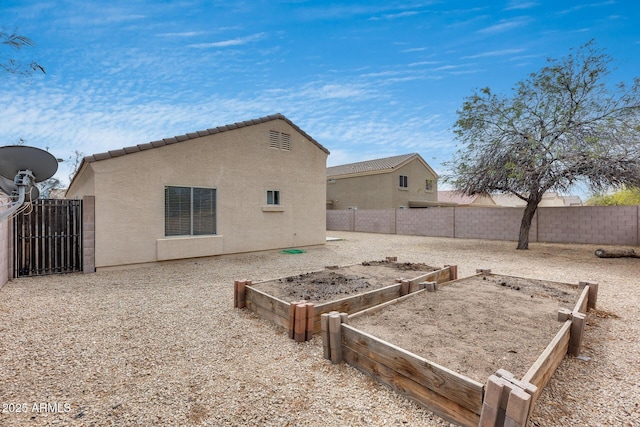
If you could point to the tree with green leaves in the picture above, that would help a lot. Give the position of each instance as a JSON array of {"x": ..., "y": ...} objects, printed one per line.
[
  {"x": 562, "y": 125},
  {"x": 627, "y": 196},
  {"x": 15, "y": 42}
]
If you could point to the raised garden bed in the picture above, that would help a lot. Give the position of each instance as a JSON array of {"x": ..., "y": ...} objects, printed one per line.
[
  {"x": 347, "y": 289},
  {"x": 477, "y": 351}
]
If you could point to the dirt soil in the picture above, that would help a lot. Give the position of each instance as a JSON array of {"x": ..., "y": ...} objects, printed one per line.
[
  {"x": 476, "y": 325},
  {"x": 330, "y": 285}
]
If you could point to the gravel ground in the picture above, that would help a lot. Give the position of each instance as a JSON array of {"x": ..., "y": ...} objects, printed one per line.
[{"x": 162, "y": 344}]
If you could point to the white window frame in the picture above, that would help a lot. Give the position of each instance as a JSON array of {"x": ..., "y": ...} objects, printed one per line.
[
  {"x": 193, "y": 217},
  {"x": 273, "y": 198}
]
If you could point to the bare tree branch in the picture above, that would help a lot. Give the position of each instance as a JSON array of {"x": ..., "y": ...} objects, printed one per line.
[{"x": 563, "y": 124}]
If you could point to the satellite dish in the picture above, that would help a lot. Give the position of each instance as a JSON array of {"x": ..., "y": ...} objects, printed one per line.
[
  {"x": 11, "y": 189},
  {"x": 16, "y": 158},
  {"x": 7, "y": 186},
  {"x": 20, "y": 168}
]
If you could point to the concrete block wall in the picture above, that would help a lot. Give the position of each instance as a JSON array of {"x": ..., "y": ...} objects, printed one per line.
[
  {"x": 88, "y": 234},
  {"x": 491, "y": 223},
  {"x": 426, "y": 222},
  {"x": 607, "y": 225},
  {"x": 341, "y": 220},
  {"x": 375, "y": 221}
]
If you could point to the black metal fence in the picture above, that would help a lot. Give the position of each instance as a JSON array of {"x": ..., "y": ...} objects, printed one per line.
[{"x": 48, "y": 238}]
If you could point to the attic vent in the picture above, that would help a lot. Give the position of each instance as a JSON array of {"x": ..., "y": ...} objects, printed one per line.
[
  {"x": 286, "y": 142},
  {"x": 279, "y": 141},
  {"x": 274, "y": 139}
]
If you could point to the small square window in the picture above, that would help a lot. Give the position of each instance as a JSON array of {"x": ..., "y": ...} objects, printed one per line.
[
  {"x": 428, "y": 185},
  {"x": 404, "y": 181},
  {"x": 273, "y": 197}
]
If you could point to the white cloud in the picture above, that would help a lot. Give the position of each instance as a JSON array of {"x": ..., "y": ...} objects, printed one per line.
[
  {"x": 502, "y": 52},
  {"x": 521, "y": 5},
  {"x": 231, "y": 42},
  {"x": 505, "y": 25}
]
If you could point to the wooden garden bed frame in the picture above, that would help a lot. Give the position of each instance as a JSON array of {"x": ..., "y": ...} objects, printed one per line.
[
  {"x": 502, "y": 401},
  {"x": 289, "y": 314}
]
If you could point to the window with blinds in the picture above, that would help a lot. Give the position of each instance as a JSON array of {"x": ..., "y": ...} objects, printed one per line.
[
  {"x": 273, "y": 197},
  {"x": 189, "y": 211},
  {"x": 279, "y": 140}
]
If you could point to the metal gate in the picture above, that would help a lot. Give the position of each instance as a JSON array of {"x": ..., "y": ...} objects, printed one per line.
[{"x": 48, "y": 238}]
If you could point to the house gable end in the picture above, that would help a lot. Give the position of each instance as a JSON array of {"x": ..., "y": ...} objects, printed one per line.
[{"x": 192, "y": 135}]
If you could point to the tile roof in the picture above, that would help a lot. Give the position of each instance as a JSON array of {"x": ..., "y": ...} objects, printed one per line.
[
  {"x": 450, "y": 196},
  {"x": 197, "y": 134},
  {"x": 377, "y": 165}
]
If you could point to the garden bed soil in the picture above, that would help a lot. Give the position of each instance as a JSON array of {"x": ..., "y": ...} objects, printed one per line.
[
  {"x": 477, "y": 325},
  {"x": 331, "y": 284}
]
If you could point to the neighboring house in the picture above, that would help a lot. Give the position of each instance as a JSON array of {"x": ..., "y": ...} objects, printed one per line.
[
  {"x": 392, "y": 182},
  {"x": 247, "y": 186},
  {"x": 549, "y": 199},
  {"x": 460, "y": 199}
]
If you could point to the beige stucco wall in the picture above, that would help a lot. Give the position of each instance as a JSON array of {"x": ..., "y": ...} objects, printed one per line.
[
  {"x": 129, "y": 195},
  {"x": 382, "y": 190},
  {"x": 5, "y": 247},
  {"x": 483, "y": 201}
]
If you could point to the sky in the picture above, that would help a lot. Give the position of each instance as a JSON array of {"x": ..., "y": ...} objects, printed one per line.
[{"x": 366, "y": 79}]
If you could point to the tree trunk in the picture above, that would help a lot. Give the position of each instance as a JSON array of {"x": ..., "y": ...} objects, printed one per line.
[
  {"x": 525, "y": 225},
  {"x": 616, "y": 253}
]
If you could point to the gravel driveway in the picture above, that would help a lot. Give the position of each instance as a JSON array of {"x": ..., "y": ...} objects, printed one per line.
[{"x": 162, "y": 344}]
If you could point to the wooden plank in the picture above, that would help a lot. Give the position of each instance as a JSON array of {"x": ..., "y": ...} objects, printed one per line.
[
  {"x": 325, "y": 335},
  {"x": 576, "y": 333},
  {"x": 581, "y": 304},
  {"x": 360, "y": 302},
  {"x": 593, "y": 293},
  {"x": 445, "y": 382},
  {"x": 543, "y": 368},
  {"x": 268, "y": 314},
  {"x": 440, "y": 276},
  {"x": 279, "y": 307},
  {"x": 267, "y": 307},
  {"x": 335, "y": 338},
  {"x": 406, "y": 386},
  {"x": 300, "y": 323}
]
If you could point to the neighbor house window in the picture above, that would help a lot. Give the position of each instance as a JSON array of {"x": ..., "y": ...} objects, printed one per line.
[
  {"x": 273, "y": 197},
  {"x": 404, "y": 181},
  {"x": 189, "y": 211},
  {"x": 428, "y": 185}
]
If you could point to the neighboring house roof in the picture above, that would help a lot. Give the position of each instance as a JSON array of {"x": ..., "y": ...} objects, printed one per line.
[
  {"x": 192, "y": 135},
  {"x": 549, "y": 199},
  {"x": 376, "y": 166},
  {"x": 572, "y": 200},
  {"x": 450, "y": 196}
]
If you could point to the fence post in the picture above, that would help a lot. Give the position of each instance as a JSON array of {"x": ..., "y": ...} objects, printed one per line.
[
  {"x": 593, "y": 293},
  {"x": 310, "y": 321},
  {"x": 300, "y": 333},
  {"x": 575, "y": 335},
  {"x": 507, "y": 401},
  {"x": 335, "y": 338},
  {"x": 324, "y": 325}
]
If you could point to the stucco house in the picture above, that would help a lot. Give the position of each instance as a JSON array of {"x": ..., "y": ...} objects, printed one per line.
[
  {"x": 458, "y": 199},
  {"x": 549, "y": 199},
  {"x": 248, "y": 186},
  {"x": 391, "y": 182}
]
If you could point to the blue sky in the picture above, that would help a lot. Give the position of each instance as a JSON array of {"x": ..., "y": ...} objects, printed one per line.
[{"x": 366, "y": 79}]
